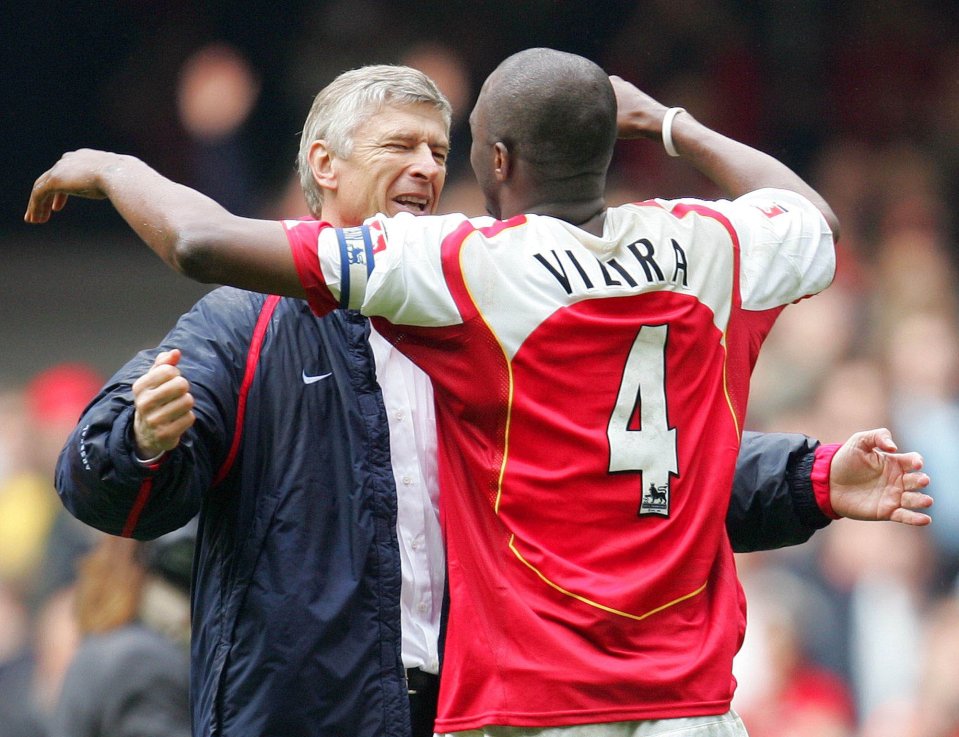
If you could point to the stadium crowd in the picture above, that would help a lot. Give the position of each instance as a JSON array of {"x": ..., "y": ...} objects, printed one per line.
[{"x": 854, "y": 634}]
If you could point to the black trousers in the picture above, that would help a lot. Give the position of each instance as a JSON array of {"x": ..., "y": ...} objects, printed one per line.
[{"x": 423, "y": 689}]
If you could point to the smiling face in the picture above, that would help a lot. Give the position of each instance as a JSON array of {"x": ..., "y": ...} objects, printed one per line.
[{"x": 397, "y": 164}]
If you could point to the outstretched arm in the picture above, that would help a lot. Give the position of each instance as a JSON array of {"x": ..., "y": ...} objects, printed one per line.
[
  {"x": 189, "y": 231},
  {"x": 734, "y": 167},
  {"x": 787, "y": 486},
  {"x": 869, "y": 480}
]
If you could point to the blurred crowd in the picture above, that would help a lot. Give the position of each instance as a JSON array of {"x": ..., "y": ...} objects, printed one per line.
[{"x": 854, "y": 634}]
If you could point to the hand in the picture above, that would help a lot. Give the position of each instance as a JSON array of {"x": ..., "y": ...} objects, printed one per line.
[
  {"x": 76, "y": 173},
  {"x": 164, "y": 406},
  {"x": 638, "y": 115},
  {"x": 869, "y": 480}
]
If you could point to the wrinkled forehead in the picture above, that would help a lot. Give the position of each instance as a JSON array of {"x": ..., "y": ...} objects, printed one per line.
[
  {"x": 420, "y": 120},
  {"x": 401, "y": 112}
]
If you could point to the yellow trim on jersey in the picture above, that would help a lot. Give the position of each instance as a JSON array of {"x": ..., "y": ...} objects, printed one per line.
[
  {"x": 567, "y": 592},
  {"x": 509, "y": 369},
  {"x": 729, "y": 399}
]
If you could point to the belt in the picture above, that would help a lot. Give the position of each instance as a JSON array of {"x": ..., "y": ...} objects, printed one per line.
[
  {"x": 423, "y": 689},
  {"x": 420, "y": 682}
]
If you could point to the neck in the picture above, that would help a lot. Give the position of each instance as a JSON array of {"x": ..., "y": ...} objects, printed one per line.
[
  {"x": 590, "y": 215},
  {"x": 579, "y": 199}
]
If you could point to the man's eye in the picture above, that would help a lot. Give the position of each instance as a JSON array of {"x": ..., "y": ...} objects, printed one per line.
[{"x": 440, "y": 156}]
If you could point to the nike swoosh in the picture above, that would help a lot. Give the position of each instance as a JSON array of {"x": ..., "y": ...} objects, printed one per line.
[{"x": 313, "y": 379}]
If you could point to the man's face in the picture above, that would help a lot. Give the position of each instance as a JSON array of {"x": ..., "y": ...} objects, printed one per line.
[{"x": 398, "y": 164}]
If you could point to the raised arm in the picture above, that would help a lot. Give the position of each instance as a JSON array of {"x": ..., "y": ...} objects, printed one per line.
[
  {"x": 189, "y": 231},
  {"x": 101, "y": 478},
  {"x": 733, "y": 166}
]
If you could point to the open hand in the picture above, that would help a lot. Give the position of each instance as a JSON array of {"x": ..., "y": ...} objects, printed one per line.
[
  {"x": 870, "y": 480},
  {"x": 77, "y": 173}
]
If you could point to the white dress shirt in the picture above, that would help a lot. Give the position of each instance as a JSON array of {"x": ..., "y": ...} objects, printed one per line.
[{"x": 408, "y": 396}]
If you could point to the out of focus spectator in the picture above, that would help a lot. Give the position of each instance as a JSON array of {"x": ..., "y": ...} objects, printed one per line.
[
  {"x": 20, "y": 716},
  {"x": 924, "y": 391},
  {"x": 216, "y": 92},
  {"x": 784, "y": 692},
  {"x": 55, "y": 398},
  {"x": 130, "y": 675},
  {"x": 39, "y": 545}
]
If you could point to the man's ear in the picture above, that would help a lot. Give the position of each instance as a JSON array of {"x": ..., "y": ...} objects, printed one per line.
[
  {"x": 321, "y": 164},
  {"x": 502, "y": 163}
]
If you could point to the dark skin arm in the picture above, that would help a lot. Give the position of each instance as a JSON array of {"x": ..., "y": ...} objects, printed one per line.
[
  {"x": 189, "y": 231},
  {"x": 200, "y": 239},
  {"x": 734, "y": 167}
]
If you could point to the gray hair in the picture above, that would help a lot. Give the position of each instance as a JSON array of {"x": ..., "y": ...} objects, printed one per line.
[{"x": 349, "y": 100}]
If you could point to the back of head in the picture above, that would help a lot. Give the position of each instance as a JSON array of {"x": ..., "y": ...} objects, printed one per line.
[
  {"x": 352, "y": 98},
  {"x": 554, "y": 110}
]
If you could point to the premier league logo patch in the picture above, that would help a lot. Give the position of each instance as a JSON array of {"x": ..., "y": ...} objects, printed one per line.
[
  {"x": 355, "y": 246},
  {"x": 655, "y": 501}
]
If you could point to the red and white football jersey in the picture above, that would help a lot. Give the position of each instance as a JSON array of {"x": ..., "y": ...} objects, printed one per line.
[{"x": 590, "y": 393}]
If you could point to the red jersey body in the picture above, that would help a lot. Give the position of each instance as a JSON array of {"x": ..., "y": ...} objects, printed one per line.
[{"x": 589, "y": 393}]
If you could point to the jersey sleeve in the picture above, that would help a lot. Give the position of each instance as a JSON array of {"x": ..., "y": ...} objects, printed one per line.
[
  {"x": 386, "y": 267},
  {"x": 321, "y": 287},
  {"x": 787, "y": 249}
]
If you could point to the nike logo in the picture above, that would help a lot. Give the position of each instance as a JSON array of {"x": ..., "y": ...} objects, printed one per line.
[{"x": 307, "y": 379}]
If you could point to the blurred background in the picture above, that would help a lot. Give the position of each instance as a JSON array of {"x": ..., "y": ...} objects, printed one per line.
[{"x": 853, "y": 634}]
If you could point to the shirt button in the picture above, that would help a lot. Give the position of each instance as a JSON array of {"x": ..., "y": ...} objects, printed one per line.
[
  {"x": 421, "y": 607},
  {"x": 399, "y": 415},
  {"x": 407, "y": 480}
]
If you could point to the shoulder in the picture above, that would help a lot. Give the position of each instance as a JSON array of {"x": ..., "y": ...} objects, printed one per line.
[
  {"x": 126, "y": 643},
  {"x": 230, "y": 300},
  {"x": 240, "y": 310},
  {"x": 118, "y": 651}
]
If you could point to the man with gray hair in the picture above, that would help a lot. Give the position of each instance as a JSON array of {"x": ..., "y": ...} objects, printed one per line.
[
  {"x": 297, "y": 577},
  {"x": 307, "y": 558}
]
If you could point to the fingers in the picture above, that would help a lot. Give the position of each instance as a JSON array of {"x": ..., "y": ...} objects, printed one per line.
[
  {"x": 916, "y": 500},
  {"x": 910, "y": 517},
  {"x": 913, "y": 500},
  {"x": 878, "y": 439},
  {"x": 164, "y": 405},
  {"x": 910, "y": 461},
  {"x": 74, "y": 174},
  {"x": 45, "y": 197},
  {"x": 164, "y": 401},
  {"x": 39, "y": 206}
]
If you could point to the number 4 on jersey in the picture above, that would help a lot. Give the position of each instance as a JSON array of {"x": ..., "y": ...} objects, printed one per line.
[{"x": 640, "y": 438}]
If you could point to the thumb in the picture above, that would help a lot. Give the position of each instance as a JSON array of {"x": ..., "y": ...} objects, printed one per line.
[
  {"x": 170, "y": 357},
  {"x": 882, "y": 440}
]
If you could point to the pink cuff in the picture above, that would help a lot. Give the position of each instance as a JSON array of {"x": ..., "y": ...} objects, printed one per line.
[{"x": 820, "y": 477}]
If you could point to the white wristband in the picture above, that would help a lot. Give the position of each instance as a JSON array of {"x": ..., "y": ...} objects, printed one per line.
[
  {"x": 148, "y": 461},
  {"x": 668, "y": 129}
]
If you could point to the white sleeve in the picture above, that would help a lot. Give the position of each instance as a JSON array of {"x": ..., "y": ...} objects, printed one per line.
[
  {"x": 786, "y": 246},
  {"x": 407, "y": 285}
]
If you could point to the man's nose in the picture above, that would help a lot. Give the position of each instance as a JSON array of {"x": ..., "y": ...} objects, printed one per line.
[{"x": 425, "y": 164}]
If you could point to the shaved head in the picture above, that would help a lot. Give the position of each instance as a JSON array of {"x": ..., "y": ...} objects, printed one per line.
[{"x": 554, "y": 110}]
